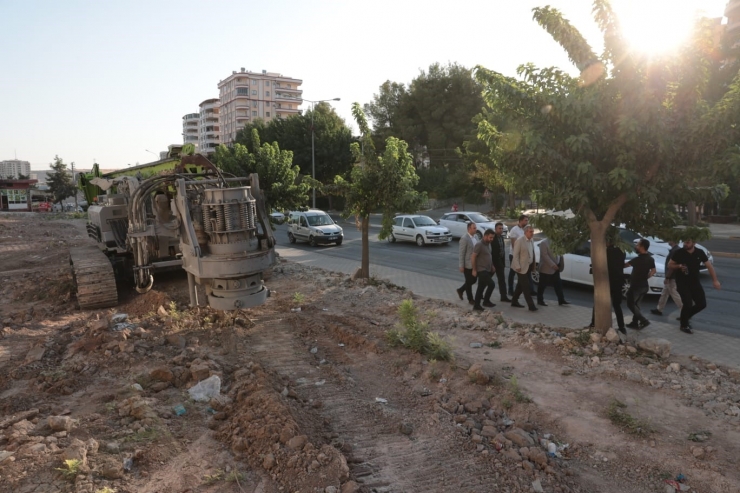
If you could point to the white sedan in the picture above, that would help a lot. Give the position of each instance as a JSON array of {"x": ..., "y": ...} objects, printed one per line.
[
  {"x": 277, "y": 217},
  {"x": 457, "y": 223},
  {"x": 419, "y": 229}
]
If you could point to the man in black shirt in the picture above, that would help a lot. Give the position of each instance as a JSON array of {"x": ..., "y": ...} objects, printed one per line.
[
  {"x": 643, "y": 268},
  {"x": 686, "y": 263},
  {"x": 615, "y": 267},
  {"x": 498, "y": 251}
]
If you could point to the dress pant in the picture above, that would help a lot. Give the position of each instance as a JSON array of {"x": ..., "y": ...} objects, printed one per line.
[
  {"x": 616, "y": 295},
  {"x": 634, "y": 297},
  {"x": 693, "y": 298},
  {"x": 500, "y": 268},
  {"x": 669, "y": 289},
  {"x": 467, "y": 286},
  {"x": 512, "y": 273},
  {"x": 522, "y": 287},
  {"x": 485, "y": 283},
  {"x": 555, "y": 281}
]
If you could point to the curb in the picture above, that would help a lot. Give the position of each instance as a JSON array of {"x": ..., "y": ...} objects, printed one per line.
[{"x": 726, "y": 255}]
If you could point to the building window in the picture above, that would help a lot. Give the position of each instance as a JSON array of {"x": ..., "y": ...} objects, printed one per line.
[
  {"x": 287, "y": 85},
  {"x": 267, "y": 94},
  {"x": 254, "y": 104},
  {"x": 267, "y": 114},
  {"x": 267, "y": 83},
  {"x": 254, "y": 82},
  {"x": 242, "y": 91},
  {"x": 254, "y": 92},
  {"x": 254, "y": 113}
]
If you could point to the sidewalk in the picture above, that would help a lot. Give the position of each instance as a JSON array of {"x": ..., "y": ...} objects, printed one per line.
[{"x": 713, "y": 347}]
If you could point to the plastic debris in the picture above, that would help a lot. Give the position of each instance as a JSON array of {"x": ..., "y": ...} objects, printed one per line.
[
  {"x": 381, "y": 400},
  {"x": 341, "y": 345},
  {"x": 138, "y": 387},
  {"x": 314, "y": 350},
  {"x": 537, "y": 486},
  {"x": 320, "y": 383},
  {"x": 295, "y": 310},
  {"x": 118, "y": 318},
  {"x": 128, "y": 463},
  {"x": 324, "y": 309},
  {"x": 442, "y": 380},
  {"x": 122, "y": 326},
  {"x": 210, "y": 410},
  {"x": 206, "y": 389},
  {"x": 476, "y": 344},
  {"x": 179, "y": 410}
]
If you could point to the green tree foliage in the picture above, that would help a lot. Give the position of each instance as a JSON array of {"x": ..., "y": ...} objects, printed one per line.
[
  {"x": 59, "y": 181},
  {"x": 609, "y": 144},
  {"x": 332, "y": 140},
  {"x": 279, "y": 178},
  {"x": 378, "y": 182}
]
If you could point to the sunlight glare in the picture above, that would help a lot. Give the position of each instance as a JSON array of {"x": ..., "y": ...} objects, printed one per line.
[{"x": 656, "y": 26}]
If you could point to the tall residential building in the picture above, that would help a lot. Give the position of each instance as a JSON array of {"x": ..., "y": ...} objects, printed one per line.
[
  {"x": 246, "y": 96},
  {"x": 208, "y": 127},
  {"x": 190, "y": 128},
  {"x": 14, "y": 167},
  {"x": 732, "y": 12}
]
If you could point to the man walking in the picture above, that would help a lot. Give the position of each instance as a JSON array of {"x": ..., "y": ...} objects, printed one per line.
[
  {"x": 515, "y": 233},
  {"x": 643, "y": 268},
  {"x": 686, "y": 263},
  {"x": 483, "y": 269},
  {"x": 467, "y": 243},
  {"x": 615, "y": 259},
  {"x": 498, "y": 251},
  {"x": 669, "y": 284},
  {"x": 549, "y": 269},
  {"x": 523, "y": 264}
]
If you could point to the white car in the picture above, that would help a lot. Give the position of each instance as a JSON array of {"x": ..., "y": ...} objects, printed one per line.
[
  {"x": 419, "y": 229},
  {"x": 457, "y": 223},
  {"x": 314, "y": 226},
  {"x": 277, "y": 217}
]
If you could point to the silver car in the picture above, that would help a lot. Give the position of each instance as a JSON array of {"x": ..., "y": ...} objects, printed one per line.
[
  {"x": 457, "y": 223},
  {"x": 419, "y": 229}
]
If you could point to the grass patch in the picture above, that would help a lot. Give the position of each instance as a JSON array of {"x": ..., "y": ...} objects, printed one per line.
[
  {"x": 105, "y": 489},
  {"x": 506, "y": 404},
  {"x": 221, "y": 475},
  {"x": 494, "y": 344},
  {"x": 583, "y": 338},
  {"x": 298, "y": 298},
  {"x": 618, "y": 415},
  {"x": 517, "y": 392},
  {"x": 145, "y": 435},
  {"x": 71, "y": 468},
  {"x": 414, "y": 334}
]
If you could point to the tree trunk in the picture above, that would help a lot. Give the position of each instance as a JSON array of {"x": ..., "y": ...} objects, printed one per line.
[
  {"x": 365, "y": 226},
  {"x": 691, "y": 213},
  {"x": 602, "y": 297},
  {"x": 512, "y": 200}
]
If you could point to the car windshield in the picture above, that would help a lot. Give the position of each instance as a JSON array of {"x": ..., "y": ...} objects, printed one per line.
[
  {"x": 629, "y": 236},
  {"x": 479, "y": 218},
  {"x": 320, "y": 220},
  {"x": 424, "y": 221}
]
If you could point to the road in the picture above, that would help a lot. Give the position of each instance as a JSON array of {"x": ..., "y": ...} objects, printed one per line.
[{"x": 719, "y": 317}]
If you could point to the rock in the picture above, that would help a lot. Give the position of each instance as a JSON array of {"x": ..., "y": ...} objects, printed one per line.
[
  {"x": 331, "y": 489},
  {"x": 538, "y": 456},
  {"x": 512, "y": 454},
  {"x": 350, "y": 487},
  {"x": 112, "y": 470},
  {"x": 92, "y": 446},
  {"x": 566, "y": 371},
  {"x": 595, "y": 338},
  {"x": 159, "y": 386},
  {"x": 674, "y": 367},
  {"x": 595, "y": 361},
  {"x": 31, "y": 450},
  {"x": 161, "y": 311},
  {"x": 269, "y": 462},
  {"x": 537, "y": 486},
  {"x": 406, "y": 428},
  {"x": 520, "y": 437},
  {"x": 77, "y": 450},
  {"x": 654, "y": 345},
  {"x": 611, "y": 335},
  {"x": 100, "y": 325},
  {"x": 176, "y": 340},
  {"x": 112, "y": 447},
  {"x": 473, "y": 406},
  {"x": 162, "y": 374},
  {"x": 297, "y": 442},
  {"x": 35, "y": 354},
  {"x": 711, "y": 366},
  {"x": 356, "y": 274},
  {"x": 697, "y": 452},
  {"x": 477, "y": 375},
  {"x": 200, "y": 371},
  {"x": 631, "y": 349},
  {"x": 489, "y": 431},
  {"x": 4, "y": 454},
  {"x": 633, "y": 376},
  {"x": 61, "y": 423}
]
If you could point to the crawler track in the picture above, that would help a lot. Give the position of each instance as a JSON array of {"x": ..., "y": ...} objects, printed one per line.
[{"x": 94, "y": 278}]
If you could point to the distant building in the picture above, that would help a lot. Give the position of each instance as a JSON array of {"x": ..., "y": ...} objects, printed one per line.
[
  {"x": 190, "y": 128},
  {"x": 208, "y": 126},
  {"x": 15, "y": 195},
  {"x": 12, "y": 168},
  {"x": 246, "y": 96},
  {"x": 732, "y": 12}
]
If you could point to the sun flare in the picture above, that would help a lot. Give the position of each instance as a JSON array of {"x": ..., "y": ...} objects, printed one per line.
[{"x": 659, "y": 26}]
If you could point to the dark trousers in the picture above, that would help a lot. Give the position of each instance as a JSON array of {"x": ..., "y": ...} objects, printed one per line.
[
  {"x": 500, "y": 268},
  {"x": 553, "y": 280},
  {"x": 693, "y": 298},
  {"x": 512, "y": 273},
  {"x": 522, "y": 287},
  {"x": 634, "y": 297},
  {"x": 485, "y": 282},
  {"x": 616, "y": 295},
  {"x": 468, "y": 284}
]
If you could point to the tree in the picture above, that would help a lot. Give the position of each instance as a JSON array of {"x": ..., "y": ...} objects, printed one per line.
[
  {"x": 382, "y": 182},
  {"x": 59, "y": 181},
  {"x": 607, "y": 144},
  {"x": 279, "y": 178}
]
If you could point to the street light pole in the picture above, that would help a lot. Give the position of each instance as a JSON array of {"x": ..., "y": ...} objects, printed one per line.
[{"x": 313, "y": 147}]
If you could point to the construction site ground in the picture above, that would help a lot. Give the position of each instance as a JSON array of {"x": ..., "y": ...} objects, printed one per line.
[{"x": 314, "y": 398}]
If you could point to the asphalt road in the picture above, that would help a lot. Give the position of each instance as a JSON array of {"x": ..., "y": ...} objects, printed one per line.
[{"x": 720, "y": 316}]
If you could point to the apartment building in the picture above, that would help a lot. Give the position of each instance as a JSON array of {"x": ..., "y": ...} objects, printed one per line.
[
  {"x": 246, "y": 96},
  {"x": 732, "y": 12},
  {"x": 208, "y": 126},
  {"x": 190, "y": 128},
  {"x": 12, "y": 168}
]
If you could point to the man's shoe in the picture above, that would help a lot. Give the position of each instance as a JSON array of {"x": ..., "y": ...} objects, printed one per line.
[
  {"x": 505, "y": 299},
  {"x": 477, "y": 308},
  {"x": 644, "y": 324},
  {"x": 687, "y": 330},
  {"x": 459, "y": 292},
  {"x": 542, "y": 303},
  {"x": 564, "y": 302},
  {"x": 488, "y": 304},
  {"x": 622, "y": 330},
  {"x": 532, "y": 308},
  {"x": 655, "y": 311},
  {"x": 471, "y": 302},
  {"x": 633, "y": 325},
  {"x": 516, "y": 304}
]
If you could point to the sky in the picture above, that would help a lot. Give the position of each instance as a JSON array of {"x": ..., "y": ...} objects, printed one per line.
[{"x": 107, "y": 82}]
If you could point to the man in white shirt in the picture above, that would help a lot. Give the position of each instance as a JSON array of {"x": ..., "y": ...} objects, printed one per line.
[
  {"x": 515, "y": 233},
  {"x": 467, "y": 243}
]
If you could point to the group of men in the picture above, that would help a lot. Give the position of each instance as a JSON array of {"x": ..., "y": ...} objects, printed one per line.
[{"x": 480, "y": 260}]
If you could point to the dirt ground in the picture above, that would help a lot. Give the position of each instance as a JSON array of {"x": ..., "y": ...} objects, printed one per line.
[{"x": 317, "y": 399}]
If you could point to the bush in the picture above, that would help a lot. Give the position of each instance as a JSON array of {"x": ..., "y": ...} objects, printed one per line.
[{"x": 414, "y": 334}]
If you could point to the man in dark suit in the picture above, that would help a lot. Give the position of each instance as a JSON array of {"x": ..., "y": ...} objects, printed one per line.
[
  {"x": 498, "y": 250},
  {"x": 467, "y": 243}
]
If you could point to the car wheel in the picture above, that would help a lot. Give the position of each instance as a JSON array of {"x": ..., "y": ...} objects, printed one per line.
[
  {"x": 339, "y": 241},
  {"x": 625, "y": 287},
  {"x": 291, "y": 238},
  {"x": 479, "y": 235},
  {"x": 420, "y": 240},
  {"x": 312, "y": 241},
  {"x": 391, "y": 238},
  {"x": 535, "y": 275}
]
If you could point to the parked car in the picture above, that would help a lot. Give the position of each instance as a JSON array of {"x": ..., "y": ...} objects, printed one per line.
[
  {"x": 314, "y": 226},
  {"x": 277, "y": 217},
  {"x": 419, "y": 229},
  {"x": 457, "y": 223}
]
